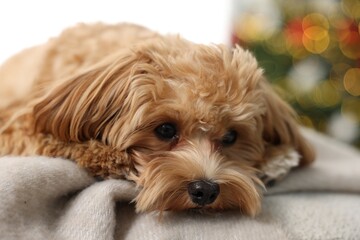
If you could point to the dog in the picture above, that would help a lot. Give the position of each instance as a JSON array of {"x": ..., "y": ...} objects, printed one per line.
[{"x": 194, "y": 126}]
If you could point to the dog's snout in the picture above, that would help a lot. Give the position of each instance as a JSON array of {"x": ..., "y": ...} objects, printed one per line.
[{"x": 203, "y": 192}]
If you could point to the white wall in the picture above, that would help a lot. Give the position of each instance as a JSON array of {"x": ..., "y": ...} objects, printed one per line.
[{"x": 24, "y": 23}]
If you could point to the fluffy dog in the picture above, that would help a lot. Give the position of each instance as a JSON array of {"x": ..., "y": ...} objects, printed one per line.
[{"x": 194, "y": 126}]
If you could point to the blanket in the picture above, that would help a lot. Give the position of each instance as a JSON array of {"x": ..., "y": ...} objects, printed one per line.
[{"x": 52, "y": 198}]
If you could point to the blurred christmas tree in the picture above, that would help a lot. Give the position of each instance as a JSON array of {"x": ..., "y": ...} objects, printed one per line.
[{"x": 310, "y": 50}]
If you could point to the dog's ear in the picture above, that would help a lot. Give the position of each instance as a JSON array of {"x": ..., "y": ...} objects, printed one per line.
[
  {"x": 85, "y": 106},
  {"x": 280, "y": 130},
  {"x": 280, "y": 127}
]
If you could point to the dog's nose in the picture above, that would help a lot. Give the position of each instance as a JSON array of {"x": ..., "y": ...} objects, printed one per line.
[{"x": 203, "y": 192}]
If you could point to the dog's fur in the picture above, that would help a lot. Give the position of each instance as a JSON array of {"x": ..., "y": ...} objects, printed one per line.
[{"x": 96, "y": 93}]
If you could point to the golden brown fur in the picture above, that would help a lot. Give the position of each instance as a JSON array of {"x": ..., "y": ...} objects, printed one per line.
[{"x": 96, "y": 93}]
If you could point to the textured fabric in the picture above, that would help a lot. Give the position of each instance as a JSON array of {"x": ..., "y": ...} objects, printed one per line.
[{"x": 48, "y": 198}]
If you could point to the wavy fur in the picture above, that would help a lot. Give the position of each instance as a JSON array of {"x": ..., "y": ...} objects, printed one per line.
[{"x": 99, "y": 91}]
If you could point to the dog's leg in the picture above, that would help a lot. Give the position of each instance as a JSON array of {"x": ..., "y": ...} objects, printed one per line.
[
  {"x": 99, "y": 159},
  {"x": 279, "y": 165}
]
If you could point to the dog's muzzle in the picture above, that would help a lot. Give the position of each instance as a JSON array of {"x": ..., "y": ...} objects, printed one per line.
[{"x": 203, "y": 192}]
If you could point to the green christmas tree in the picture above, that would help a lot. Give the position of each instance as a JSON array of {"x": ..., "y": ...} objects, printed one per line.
[{"x": 310, "y": 51}]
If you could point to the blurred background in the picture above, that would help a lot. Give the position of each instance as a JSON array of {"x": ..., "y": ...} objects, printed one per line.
[{"x": 309, "y": 49}]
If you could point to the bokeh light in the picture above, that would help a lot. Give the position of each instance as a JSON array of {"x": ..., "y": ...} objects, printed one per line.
[
  {"x": 352, "y": 81},
  {"x": 351, "y": 8},
  {"x": 258, "y": 21},
  {"x": 349, "y": 38},
  {"x": 316, "y": 36},
  {"x": 351, "y": 106},
  {"x": 314, "y": 57}
]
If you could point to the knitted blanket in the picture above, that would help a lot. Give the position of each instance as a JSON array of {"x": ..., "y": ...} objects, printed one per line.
[{"x": 50, "y": 198}]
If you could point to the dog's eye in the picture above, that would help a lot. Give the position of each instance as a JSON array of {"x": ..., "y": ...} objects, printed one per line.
[
  {"x": 229, "y": 138},
  {"x": 166, "y": 131}
]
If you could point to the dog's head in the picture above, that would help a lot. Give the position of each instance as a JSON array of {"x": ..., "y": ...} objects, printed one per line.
[{"x": 194, "y": 123}]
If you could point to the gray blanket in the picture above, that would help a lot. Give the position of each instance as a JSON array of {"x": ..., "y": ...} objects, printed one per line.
[{"x": 49, "y": 198}]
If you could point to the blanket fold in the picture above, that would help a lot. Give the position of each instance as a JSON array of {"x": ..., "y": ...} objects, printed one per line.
[{"x": 52, "y": 198}]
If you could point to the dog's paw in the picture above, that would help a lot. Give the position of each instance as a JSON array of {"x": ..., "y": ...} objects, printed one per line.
[{"x": 278, "y": 167}]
